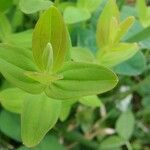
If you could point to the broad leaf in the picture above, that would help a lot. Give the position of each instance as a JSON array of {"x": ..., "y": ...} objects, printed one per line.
[
  {"x": 125, "y": 125},
  {"x": 81, "y": 79},
  {"x": 115, "y": 55},
  {"x": 12, "y": 99},
  {"x": 50, "y": 28},
  {"x": 10, "y": 125},
  {"x": 32, "y": 6},
  {"x": 74, "y": 15},
  {"x": 39, "y": 115}
]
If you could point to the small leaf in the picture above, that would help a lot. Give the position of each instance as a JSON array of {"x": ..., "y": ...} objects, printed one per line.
[
  {"x": 123, "y": 28},
  {"x": 10, "y": 125},
  {"x": 132, "y": 67},
  {"x": 112, "y": 142},
  {"x": 125, "y": 125},
  {"x": 91, "y": 101},
  {"x": 103, "y": 27},
  {"x": 90, "y": 5},
  {"x": 81, "y": 79},
  {"x": 50, "y": 28},
  {"x": 74, "y": 15},
  {"x": 79, "y": 54},
  {"x": 112, "y": 56},
  {"x": 32, "y": 6},
  {"x": 38, "y": 116},
  {"x": 12, "y": 99},
  {"x": 48, "y": 57}
]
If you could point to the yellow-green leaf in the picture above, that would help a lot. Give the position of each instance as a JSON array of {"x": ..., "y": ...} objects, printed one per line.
[
  {"x": 103, "y": 26},
  {"x": 39, "y": 115},
  {"x": 81, "y": 79},
  {"x": 50, "y": 28},
  {"x": 115, "y": 55}
]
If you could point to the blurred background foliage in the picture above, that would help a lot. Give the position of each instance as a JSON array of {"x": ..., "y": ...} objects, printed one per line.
[{"x": 120, "y": 119}]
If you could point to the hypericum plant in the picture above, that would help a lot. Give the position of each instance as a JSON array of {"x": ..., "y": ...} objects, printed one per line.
[
  {"x": 48, "y": 70},
  {"x": 110, "y": 31}
]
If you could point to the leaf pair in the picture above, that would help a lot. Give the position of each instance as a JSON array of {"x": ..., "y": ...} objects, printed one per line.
[
  {"x": 39, "y": 113},
  {"x": 109, "y": 33},
  {"x": 81, "y": 12},
  {"x": 51, "y": 74}
]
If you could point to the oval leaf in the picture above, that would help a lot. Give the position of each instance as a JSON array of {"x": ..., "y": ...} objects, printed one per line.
[
  {"x": 32, "y": 6},
  {"x": 81, "y": 79},
  {"x": 39, "y": 115},
  {"x": 50, "y": 28},
  {"x": 125, "y": 125}
]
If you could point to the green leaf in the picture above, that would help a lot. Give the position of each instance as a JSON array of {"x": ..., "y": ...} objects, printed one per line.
[
  {"x": 103, "y": 27},
  {"x": 50, "y": 28},
  {"x": 112, "y": 56},
  {"x": 132, "y": 67},
  {"x": 39, "y": 115},
  {"x": 112, "y": 142},
  {"x": 140, "y": 36},
  {"x": 74, "y": 15},
  {"x": 125, "y": 125},
  {"x": 10, "y": 125},
  {"x": 14, "y": 62},
  {"x": 32, "y": 6},
  {"x": 65, "y": 109},
  {"x": 123, "y": 28},
  {"x": 5, "y": 27},
  {"x": 81, "y": 79},
  {"x": 143, "y": 12},
  {"x": 21, "y": 39},
  {"x": 4, "y": 5},
  {"x": 12, "y": 99},
  {"x": 91, "y": 101},
  {"x": 50, "y": 142},
  {"x": 90, "y": 5},
  {"x": 79, "y": 54}
]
